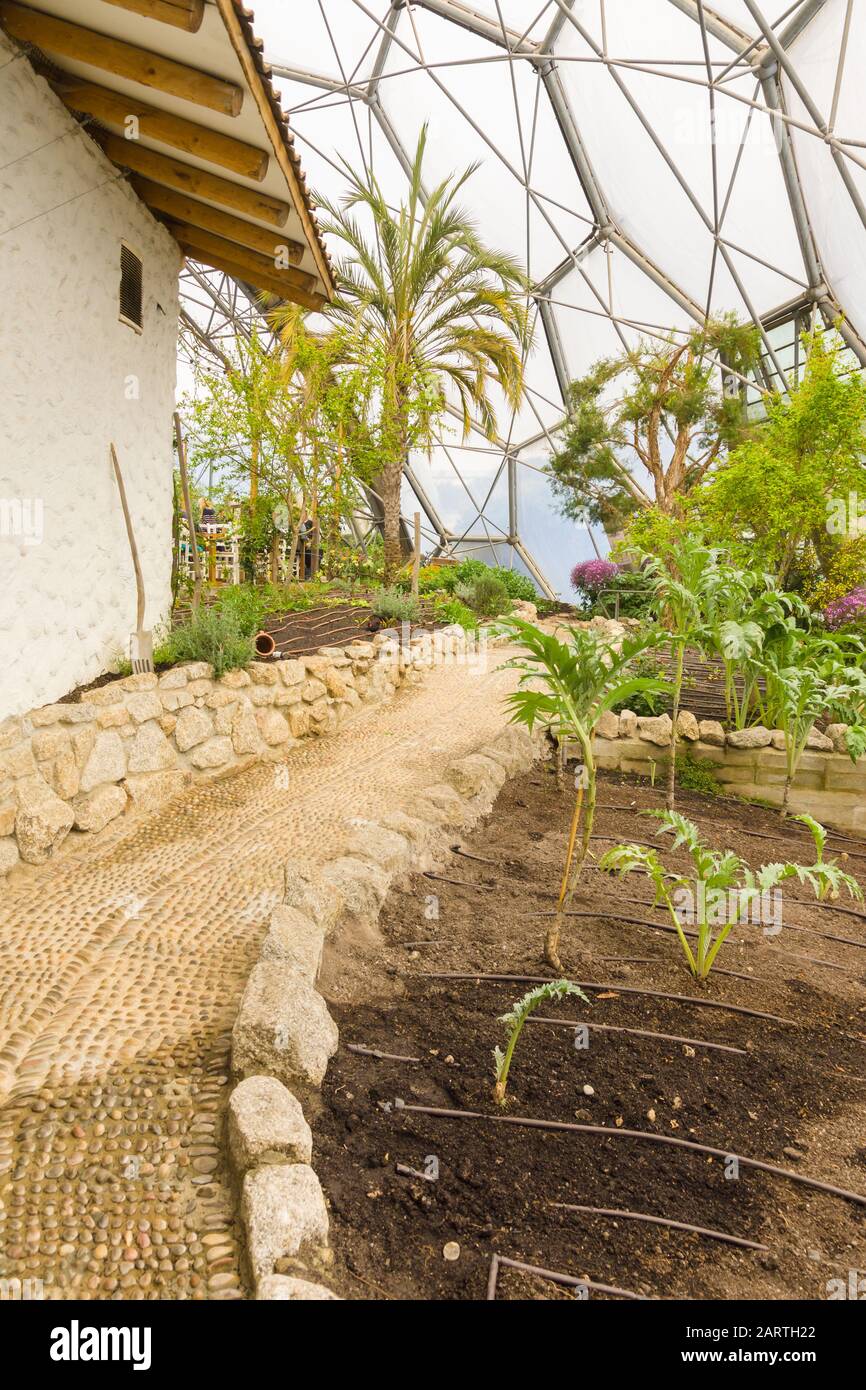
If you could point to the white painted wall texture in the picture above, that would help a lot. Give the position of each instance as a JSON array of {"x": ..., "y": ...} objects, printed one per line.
[{"x": 73, "y": 377}]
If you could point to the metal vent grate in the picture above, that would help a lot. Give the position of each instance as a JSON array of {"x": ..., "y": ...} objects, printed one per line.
[{"x": 130, "y": 286}]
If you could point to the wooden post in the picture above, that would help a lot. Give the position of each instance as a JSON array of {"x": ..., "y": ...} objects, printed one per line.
[
  {"x": 416, "y": 555},
  {"x": 187, "y": 506}
]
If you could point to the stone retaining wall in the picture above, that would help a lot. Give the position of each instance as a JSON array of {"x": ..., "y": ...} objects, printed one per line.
[
  {"x": 749, "y": 762},
  {"x": 284, "y": 1035},
  {"x": 138, "y": 741}
]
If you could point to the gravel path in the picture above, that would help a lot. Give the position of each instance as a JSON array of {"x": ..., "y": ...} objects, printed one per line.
[{"x": 121, "y": 967}]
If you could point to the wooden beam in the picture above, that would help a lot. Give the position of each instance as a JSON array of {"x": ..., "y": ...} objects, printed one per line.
[
  {"x": 113, "y": 108},
  {"x": 129, "y": 154},
  {"x": 183, "y": 209},
  {"x": 278, "y": 140},
  {"x": 183, "y": 14},
  {"x": 125, "y": 59},
  {"x": 207, "y": 243},
  {"x": 260, "y": 281}
]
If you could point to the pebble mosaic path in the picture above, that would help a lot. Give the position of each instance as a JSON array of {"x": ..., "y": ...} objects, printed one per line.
[{"x": 121, "y": 968}]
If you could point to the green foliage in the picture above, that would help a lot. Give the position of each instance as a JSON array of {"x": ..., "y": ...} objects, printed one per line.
[
  {"x": 517, "y": 585},
  {"x": 516, "y": 1018},
  {"x": 845, "y": 570},
  {"x": 771, "y": 498},
  {"x": 716, "y": 873},
  {"x": 246, "y": 605},
  {"x": 426, "y": 304},
  {"x": 697, "y": 775},
  {"x": 451, "y": 610},
  {"x": 807, "y": 675},
  {"x": 212, "y": 635},
  {"x": 394, "y": 607},
  {"x": 625, "y": 411},
  {"x": 649, "y": 702},
  {"x": 486, "y": 595},
  {"x": 567, "y": 686}
]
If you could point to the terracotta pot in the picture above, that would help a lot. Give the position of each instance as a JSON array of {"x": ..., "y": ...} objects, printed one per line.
[{"x": 264, "y": 644}]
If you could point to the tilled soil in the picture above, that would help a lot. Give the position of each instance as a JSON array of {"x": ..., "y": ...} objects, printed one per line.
[{"x": 792, "y": 1092}]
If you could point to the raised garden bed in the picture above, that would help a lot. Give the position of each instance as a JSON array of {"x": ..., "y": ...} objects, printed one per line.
[{"x": 783, "y": 1082}]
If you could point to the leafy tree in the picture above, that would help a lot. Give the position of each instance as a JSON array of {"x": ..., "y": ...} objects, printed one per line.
[
  {"x": 771, "y": 497},
  {"x": 646, "y": 428},
  {"x": 428, "y": 306}
]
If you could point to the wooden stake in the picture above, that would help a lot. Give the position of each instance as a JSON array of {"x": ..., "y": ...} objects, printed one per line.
[
  {"x": 416, "y": 555},
  {"x": 187, "y": 506}
]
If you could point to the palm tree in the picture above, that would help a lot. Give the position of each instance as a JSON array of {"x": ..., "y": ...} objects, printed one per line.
[{"x": 430, "y": 308}]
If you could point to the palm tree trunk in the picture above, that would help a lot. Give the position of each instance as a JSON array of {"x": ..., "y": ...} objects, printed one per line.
[{"x": 391, "y": 478}]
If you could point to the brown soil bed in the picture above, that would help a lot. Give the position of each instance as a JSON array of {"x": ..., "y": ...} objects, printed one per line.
[{"x": 799, "y": 1085}]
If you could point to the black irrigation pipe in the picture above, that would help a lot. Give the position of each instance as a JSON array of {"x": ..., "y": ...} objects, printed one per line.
[
  {"x": 380, "y": 1056},
  {"x": 663, "y": 1221},
  {"x": 479, "y": 858},
  {"x": 639, "y": 1033},
  {"x": 460, "y": 882},
  {"x": 640, "y": 902},
  {"x": 615, "y": 988},
  {"x": 565, "y": 1126},
  {"x": 498, "y": 1262}
]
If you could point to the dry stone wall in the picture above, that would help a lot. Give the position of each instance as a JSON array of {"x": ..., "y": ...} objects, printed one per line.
[
  {"x": 748, "y": 762},
  {"x": 136, "y": 742}
]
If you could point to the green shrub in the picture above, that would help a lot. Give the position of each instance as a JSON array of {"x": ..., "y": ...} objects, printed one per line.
[
  {"x": 213, "y": 635},
  {"x": 393, "y": 606},
  {"x": 451, "y": 610},
  {"x": 485, "y": 595},
  {"x": 697, "y": 775},
  {"x": 246, "y": 605},
  {"x": 651, "y": 702},
  {"x": 519, "y": 586}
]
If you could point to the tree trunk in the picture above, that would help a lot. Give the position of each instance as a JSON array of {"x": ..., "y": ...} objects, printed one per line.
[{"x": 391, "y": 479}]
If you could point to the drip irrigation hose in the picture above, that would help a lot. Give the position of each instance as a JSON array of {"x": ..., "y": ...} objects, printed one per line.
[
  {"x": 639, "y": 1033},
  {"x": 615, "y": 988},
  {"x": 662, "y": 1221},
  {"x": 498, "y": 1262},
  {"x": 564, "y": 1126}
]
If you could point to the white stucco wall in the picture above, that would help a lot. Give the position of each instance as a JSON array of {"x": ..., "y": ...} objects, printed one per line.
[{"x": 72, "y": 379}]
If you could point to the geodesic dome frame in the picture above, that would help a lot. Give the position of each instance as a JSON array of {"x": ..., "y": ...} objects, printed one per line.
[{"x": 651, "y": 163}]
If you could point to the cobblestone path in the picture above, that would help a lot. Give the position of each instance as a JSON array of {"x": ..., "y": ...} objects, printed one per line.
[{"x": 121, "y": 967}]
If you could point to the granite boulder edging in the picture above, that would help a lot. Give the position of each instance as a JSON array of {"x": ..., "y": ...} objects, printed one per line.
[{"x": 284, "y": 1035}]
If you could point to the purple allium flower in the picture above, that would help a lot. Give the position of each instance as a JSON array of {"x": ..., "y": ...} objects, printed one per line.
[
  {"x": 593, "y": 575},
  {"x": 850, "y": 609}
]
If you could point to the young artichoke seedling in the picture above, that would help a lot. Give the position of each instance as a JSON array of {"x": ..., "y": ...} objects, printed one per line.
[
  {"x": 726, "y": 890},
  {"x": 514, "y": 1021}
]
